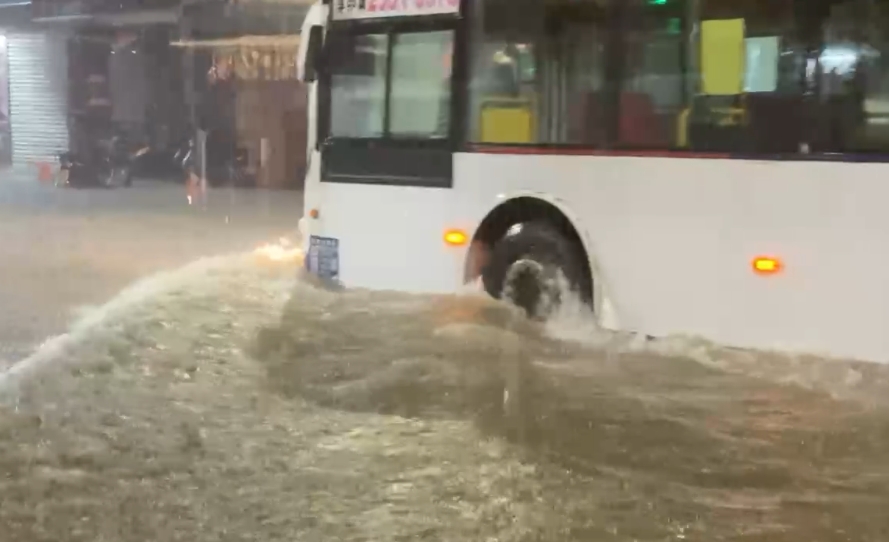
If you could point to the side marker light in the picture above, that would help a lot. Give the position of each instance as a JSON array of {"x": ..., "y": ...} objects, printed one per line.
[
  {"x": 767, "y": 265},
  {"x": 455, "y": 238}
]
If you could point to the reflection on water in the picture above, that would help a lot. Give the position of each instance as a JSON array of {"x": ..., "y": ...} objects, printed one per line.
[{"x": 197, "y": 413}]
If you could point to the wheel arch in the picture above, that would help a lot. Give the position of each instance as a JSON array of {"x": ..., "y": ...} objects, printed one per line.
[{"x": 522, "y": 208}]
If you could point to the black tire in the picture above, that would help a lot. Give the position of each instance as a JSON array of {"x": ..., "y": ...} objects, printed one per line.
[{"x": 525, "y": 264}]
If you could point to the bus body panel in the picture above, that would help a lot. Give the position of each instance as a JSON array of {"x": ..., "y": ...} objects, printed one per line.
[
  {"x": 671, "y": 241},
  {"x": 391, "y": 237}
]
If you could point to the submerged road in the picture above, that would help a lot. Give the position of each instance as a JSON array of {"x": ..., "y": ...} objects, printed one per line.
[
  {"x": 234, "y": 402},
  {"x": 62, "y": 249}
]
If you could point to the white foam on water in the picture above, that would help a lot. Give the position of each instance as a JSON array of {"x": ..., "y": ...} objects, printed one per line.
[
  {"x": 573, "y": 322},
  {"x": 840, "y": 378},
  {"x": 89, "y": 320}
]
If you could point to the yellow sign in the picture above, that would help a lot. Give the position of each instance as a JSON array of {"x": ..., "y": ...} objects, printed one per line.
[
  {"x": 507, "y": 121},
  {"x": 722, "y": 56}
]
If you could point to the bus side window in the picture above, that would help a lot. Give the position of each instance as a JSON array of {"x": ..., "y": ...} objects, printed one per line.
[
  {"x": 762, "y": 77},
  {"x": 421, "y": 84},
  {"x": 853, "y": 95},
  {"x": 813, "y": 79},
  {"x": 505, "y": 115},
  {"x": 652, "y": 85},
  {"x": 535, "y": 72}
]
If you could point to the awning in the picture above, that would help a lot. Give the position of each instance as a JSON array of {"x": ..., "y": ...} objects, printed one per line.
[
  {"x": 250, "y": 58},
  {"x": 229, "y": 20},
  {"x": 221, "y": 45}
]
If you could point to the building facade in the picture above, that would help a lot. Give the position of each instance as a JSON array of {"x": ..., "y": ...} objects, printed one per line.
[{"x": 245, "y": 64}]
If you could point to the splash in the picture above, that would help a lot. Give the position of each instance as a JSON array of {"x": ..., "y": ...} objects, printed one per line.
[
  {"x": 193, "y": 275},
  {"x": 282, "y": 251},
  {"x": 842, "y": 379},
  {"x": 54, "y": 350}
]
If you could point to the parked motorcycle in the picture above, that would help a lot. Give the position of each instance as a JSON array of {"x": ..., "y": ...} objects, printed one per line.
[{"x": 109, "y": 165}]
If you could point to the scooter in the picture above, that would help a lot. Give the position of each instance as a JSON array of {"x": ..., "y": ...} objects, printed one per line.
[{"x": 110, "y": 165}]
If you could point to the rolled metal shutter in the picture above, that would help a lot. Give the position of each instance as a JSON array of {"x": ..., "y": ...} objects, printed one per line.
[{"x": 38, "y": 94}]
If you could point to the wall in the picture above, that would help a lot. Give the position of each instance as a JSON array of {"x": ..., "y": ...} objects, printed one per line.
[
  {"x": 5, "y": 129},
  {"x": 128, "y": 85},
  {"x": 276, "y": 111}
]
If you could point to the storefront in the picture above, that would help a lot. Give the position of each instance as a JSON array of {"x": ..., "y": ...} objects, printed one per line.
[
  {"x": 82, "y": 70},
  {"x": 127, "y": 80},
  {"x": 249, "y": 58},
  {"x": 269, "y": 105}
]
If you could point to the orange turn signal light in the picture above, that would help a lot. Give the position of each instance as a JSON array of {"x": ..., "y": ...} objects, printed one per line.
[
  {"x": 455, "y": 238},
  {"x": 767, "y": 265}
]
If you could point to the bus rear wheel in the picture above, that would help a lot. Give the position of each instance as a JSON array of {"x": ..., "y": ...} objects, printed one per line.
[{"x": 534, "y": 267}]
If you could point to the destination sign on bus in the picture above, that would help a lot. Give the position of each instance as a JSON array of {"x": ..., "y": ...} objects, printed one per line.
[{"x": 369, "y": 9}]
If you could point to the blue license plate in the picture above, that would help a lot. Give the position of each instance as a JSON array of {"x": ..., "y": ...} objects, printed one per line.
[{"x": 323, "y": 258}]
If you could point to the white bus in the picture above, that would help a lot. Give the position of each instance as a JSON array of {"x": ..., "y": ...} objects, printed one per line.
[{"x": 715, "y": 168}]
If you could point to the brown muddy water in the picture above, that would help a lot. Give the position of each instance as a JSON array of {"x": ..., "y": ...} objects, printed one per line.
[{"x": 226, "y": 401}]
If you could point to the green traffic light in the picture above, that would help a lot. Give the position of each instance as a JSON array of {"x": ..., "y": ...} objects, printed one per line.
[{"x": 657, "y": 2}]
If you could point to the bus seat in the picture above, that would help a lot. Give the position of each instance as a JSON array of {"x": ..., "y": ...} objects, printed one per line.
[
  {"x": 682, "y": 128},
  {"x": 506, "y": 120},
  {"x": 640, "y": 124}
]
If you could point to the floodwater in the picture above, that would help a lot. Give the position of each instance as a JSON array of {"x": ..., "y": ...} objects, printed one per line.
[{"x": 227, "y": 401}]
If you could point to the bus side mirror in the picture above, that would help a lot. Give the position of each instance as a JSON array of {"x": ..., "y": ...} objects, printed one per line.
[{"x": 314, "y": 51}]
